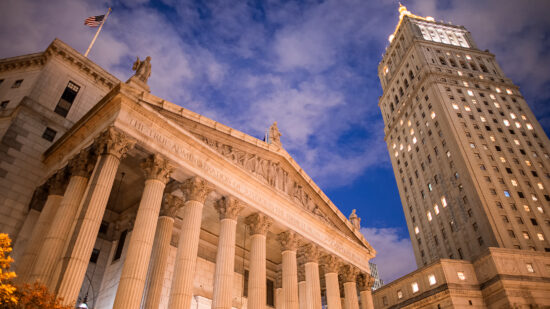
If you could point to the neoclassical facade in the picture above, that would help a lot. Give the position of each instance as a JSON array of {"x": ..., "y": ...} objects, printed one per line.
[{"x": 139, "y": 202}]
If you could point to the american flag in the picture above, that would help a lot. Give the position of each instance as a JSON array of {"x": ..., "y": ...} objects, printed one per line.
[{"x": 94, "y": 21}]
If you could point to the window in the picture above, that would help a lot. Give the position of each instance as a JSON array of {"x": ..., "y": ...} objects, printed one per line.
[
  {"x": 461, "y": 275},
  {"x": 414, "y": 287},
  {"x": 530, "y": 267},
  {"x": 506, "y": 193},
  {"x": 120, "y": 245},
  {"x": 416, "y": 230},
  {"x": 95, "y": 256},
  {"x": 67, "y": 99},
  {"x": 431, "y": 279},
  {"x": 526, "y": 235},
  {"x": 17, "y": 83},
  {"x": 49, "y": 134},
  {"x": 511, "y": 234},
  {"x": 540, "y": 236},
  {"x": 399, "y": 294},
  {"x": 526, "y": 208},
  {"x": 4, "y": 104}
]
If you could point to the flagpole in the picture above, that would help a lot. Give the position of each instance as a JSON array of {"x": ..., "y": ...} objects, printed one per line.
[{"x": 97, "y": 33}]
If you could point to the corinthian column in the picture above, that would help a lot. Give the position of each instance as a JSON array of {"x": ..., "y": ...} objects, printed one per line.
[
  {"x": 310, "y": 253},
  {"x": 279, "y": 296},
  {"x": 302, "y": 288},
  {"x": 365, "y": 282},
  {"x": 56, "y": 187},
  {"x": 258, "y": 224},
  {"x": 350, "y": 273},
  {"x": 289, "y": 243},
  {"x": 195, "y": 190},
  {"x": 161, "y": 250},
  {"x": 331, "y": 266},
  {"x": 51, "y": 252},
  {"x": 228, "y": 208},
  {"x": 111, "y": 146},
  {"x": 134, "y": 272}
]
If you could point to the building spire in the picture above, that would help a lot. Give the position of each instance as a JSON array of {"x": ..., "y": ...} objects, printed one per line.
[{"x": 404, "y": 12}]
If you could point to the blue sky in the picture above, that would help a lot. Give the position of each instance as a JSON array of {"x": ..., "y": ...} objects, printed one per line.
[{"x": 310, "y": 65}]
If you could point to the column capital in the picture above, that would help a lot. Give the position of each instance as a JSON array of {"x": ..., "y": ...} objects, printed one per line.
[
  {"x": 157, "y": 167},
  {"x": 289, "y": 240},
  {"x": 114, "y": 142},
  {"x": 258, "y": 223},
  {"x": 196, "y": 189},
  {"x": 229, "y": 207},
  {"x": 82, "y": 164},
  {"x": 331, "y": 263},
  {"x": 349, "y": 273},
  {"x": 310, "y": 253},
  {"x": 58, "y": 183},
  {"x": 301, "y": 274},
  {"x": 171, "y": 205},
  {"x": 365, "y": 281}
]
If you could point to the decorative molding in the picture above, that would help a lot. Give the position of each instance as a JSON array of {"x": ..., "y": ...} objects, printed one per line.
[
  {"x": 196, "y": 189},
  {"x": 258, "y": 223},
  {"x": 229, "y": 207},
  {"x": 270, "y": 172},
  {"x": 171, "y": 205},
  {"x": 289, "y": 241},
  {"x": 82, "y": 164},
  {"x": 331, "y": 263},
  {"x": 114, "y": 142},
  {"x": 58, "y": 183},
  {"x": 365, "y": 282},
  {"x": 156, "y": 167},
  {"x": 349, "y": 273}
]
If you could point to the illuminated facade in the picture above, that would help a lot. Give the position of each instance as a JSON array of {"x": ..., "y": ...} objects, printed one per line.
[{"x": 472, "y": 167}]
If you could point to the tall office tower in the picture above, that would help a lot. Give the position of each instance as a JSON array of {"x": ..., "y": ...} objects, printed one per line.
[{"x": 470, "y": 159}]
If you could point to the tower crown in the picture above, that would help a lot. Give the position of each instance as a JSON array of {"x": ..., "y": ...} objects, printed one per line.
[{"x": 404, "y": 12}]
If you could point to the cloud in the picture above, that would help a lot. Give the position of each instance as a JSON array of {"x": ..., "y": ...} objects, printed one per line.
[{"x": 395, "y": 257}]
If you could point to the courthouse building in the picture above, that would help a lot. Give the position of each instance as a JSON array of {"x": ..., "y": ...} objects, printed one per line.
[
  {"x": 122, "y": 199},
  {"x": 472, "y": 166}
]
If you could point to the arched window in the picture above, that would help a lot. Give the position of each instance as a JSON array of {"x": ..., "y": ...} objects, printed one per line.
[{"x": 442, "y": 60}]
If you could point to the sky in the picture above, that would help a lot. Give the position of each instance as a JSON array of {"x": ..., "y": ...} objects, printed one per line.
[{"x": 309, "y": 65}]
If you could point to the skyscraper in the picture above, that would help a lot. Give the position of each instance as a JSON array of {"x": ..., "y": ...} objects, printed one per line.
[{"x": 470, "y": 159}]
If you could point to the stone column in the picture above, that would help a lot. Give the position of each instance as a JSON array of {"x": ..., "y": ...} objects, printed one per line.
[
  {"x": 349, "y": 274},
  {"x": 258, "y": 224},
  {"x": 302, "y": 288},
  {"x": 56, "y": 187},
  {"x": 161, "y": 250},
  {"x": 279, "y": 296},
  {"x": 195, "y": 190},
  {"x": 134, "y": 271},
  {"x": 310, "y": 253},
  {"x": 53, "y": 247},
  {"x": 365, "y": 282},
  {"x": 111, "y": 145},
  {"x": 289, "y": 244},
  {"x": 228, "y": 208},
  {"x": 331, "y": 266}
]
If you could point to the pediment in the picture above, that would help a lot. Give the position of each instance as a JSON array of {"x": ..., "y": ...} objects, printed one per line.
[{"x": 268, "y": 164}]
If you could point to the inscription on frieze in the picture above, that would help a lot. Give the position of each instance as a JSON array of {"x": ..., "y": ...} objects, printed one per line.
[{"x": 276, "y": 211}]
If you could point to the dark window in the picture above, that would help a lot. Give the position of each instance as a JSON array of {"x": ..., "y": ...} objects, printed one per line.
[
  {"x": 460, "y": 253},
  {"x": 120, "y": 245},
  {"x": 270, "y": 293},
  {"x": 17, "y": 83},
  {"x": 94, "y": 256},
  {"x": 49, "y": 134},
  {"x": 534, "y": 221},
  {"x": 103, "y": 227},
  {"x": 4, "y": 104},
  {"x": 67, "y": 99},
  {"x": 245, "y": 288}
]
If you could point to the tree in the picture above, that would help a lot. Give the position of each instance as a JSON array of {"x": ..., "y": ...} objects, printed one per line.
[
  {"x": 7, "y": 290},
  {"x": 34, "y": 296}
]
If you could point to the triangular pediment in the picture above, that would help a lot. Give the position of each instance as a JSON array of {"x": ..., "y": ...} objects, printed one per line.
[{"x": 267, "y": 163}]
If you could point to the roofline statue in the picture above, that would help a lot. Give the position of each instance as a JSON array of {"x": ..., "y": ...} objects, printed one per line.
[{"x": 142, "y": 73}]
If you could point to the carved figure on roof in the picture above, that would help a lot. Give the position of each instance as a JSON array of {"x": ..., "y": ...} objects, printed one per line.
[
  {"x": 275, "y": 135},
  {"x": 355, "y": 220},
  {"x": 142, "y": 68}
]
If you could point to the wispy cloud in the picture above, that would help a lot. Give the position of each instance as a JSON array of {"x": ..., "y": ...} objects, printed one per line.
[{"x": 395, "y": 256}]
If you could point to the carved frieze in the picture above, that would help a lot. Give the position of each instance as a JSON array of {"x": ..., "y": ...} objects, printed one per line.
[{"x": 270, "y": 172}]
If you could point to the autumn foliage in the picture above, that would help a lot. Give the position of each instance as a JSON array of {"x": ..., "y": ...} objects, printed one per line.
[{"x": 26, "y": 296}]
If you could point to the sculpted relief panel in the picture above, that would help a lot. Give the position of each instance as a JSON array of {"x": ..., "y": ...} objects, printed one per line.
[{"x": 270, "y": 172}]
